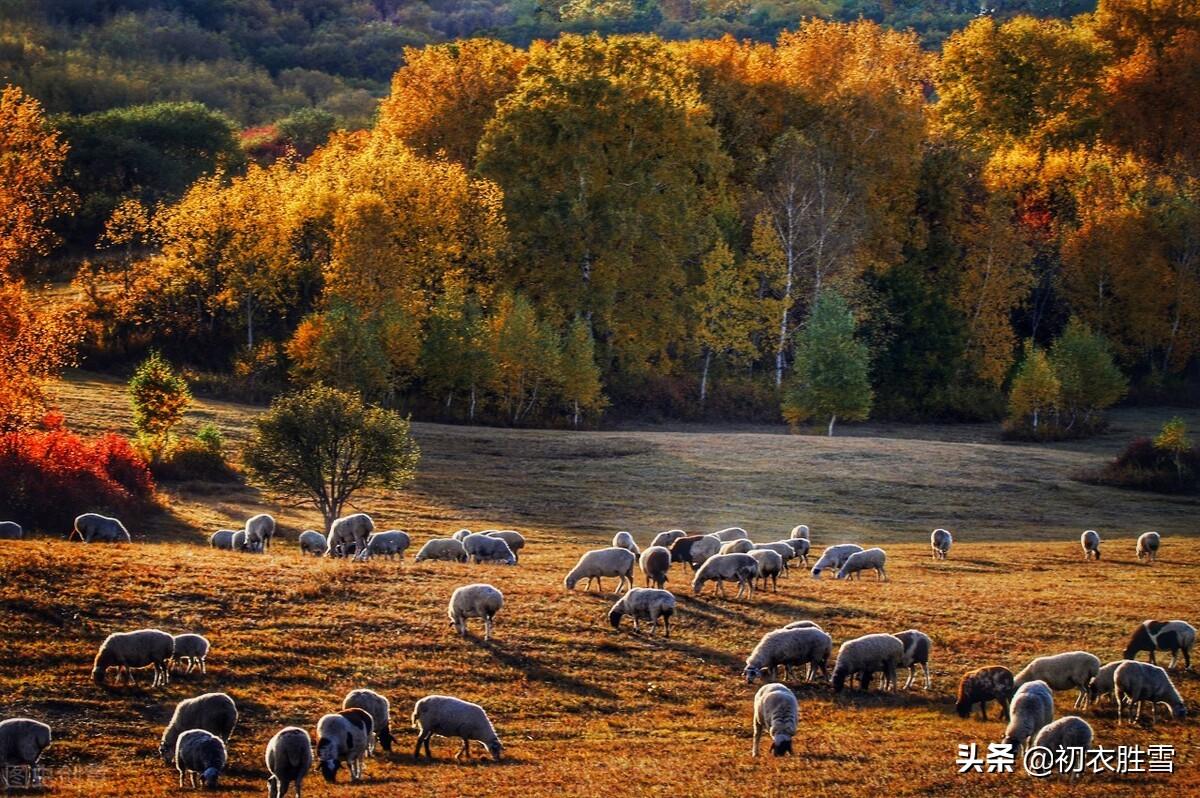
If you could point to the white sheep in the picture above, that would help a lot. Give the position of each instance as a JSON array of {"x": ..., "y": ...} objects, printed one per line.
[
  {"x": 870, "y": 559},
  {"x": 314, "y": 543},
  {"x": 222, "y": 539},
  {"x": 770, "y": 566},
  {"x": 514, "y": 539},
  {"x": 655, "y": 563},
  {"x": 783, "y": 548},
  {"x": 917, "y": 648},
  {"x": 447, "y": 549},
  {"x": 199, "y": 753},
  {"x": 96, "y": 528},
  {"x": 864, "y": 657},
  {"x": 1064, "y": 734},
  {"x": 239, "y": 543},
  {"x": 1103, "y": 682},
  {"x": 259, "y": 531},
  {"x": 777, "y": 712},
  {"x": 453, "y": 717},
  {"x": 731, "y": 533},
  {"x": 22, "y": 741},
  {"x": 740, "y": 568},
  {"x": 1090, "y": 541},
  {"x": 665, "y": 539},
  {"x": 1031, "y": 709},
  {"x": 390, "y": 544},
  {"x": 797, "y": 647},
  {"x": 461, "y": 535},
  {"x": 1147, "y": 546},
  {"x": 695, "y": 549},
  {"x": 475, "y": 601},
  {"x": 1062, "y": 672},
  {"x": 834, "y": 557},
  {"x": 11, "y": 530},
  {"x": 739, "y": 546},
  {"x": 213, "y": 712},
  {"x": 126, "y": 650},
  {"x": 799, "y": 532},
  {"x": 339, "y": 739},
  {"x": 644, "y": 604},
  {"x": 624, "y": 540},
  {"x": 289, "y": 759},
  {"x": 800, "y": 547},
  {"x": 1135, "y": 682},
  {"x": 191, "y": 650},
  {"x": 378, "y": 707},
  {"x": 348, "y": 534},
  {"x": 940, "y": 541},
  {"x": 482, "y": 548},
  {"x": 612, "y": 561}
]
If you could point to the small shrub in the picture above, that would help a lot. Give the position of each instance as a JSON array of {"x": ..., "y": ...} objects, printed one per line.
[
  {"x": 1146, "y": 465},
  {"x": 194, "y": 460}
]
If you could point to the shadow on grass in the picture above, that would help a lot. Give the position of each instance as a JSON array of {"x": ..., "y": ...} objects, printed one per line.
[{"x": 518, "y": 659}]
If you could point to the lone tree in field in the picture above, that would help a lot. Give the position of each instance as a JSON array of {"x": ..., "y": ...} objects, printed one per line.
[
  {"x": 159, "y": 397},
  {"x": 831, "y": 376},
  {"x": 321, "y": 445},
  {"x": 1036, "y": 389}
]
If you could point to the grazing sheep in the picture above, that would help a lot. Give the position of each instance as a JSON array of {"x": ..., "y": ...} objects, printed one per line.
[
  {"x": 860, "y": 561},
  {"x": 447, "y": 549},
  {"x": 1102, "y": 684},
  {"x": 805, "y": 647},
  {"x": 453, "y": 717},
  {"x": 461, "y": 535},
  {"x": 475, "y": 601},
  {"x": 126, "y": 650},
  {"x": 940, "y": 541},
  {"x": 198, "y": 753},
  {"x": 289, "y": 758},
  {"x": 1065, "y": 734},
  {"x": 865, "y": 656},
  {"x": 96, "y": 528},
  {"x": 801, "y": 548},
  {"x": 1147, "y": 546},
  {"x": 644, "y": 604},
  {"x": 239, "y": 543},
  {"x": 1090, "y": 541},
  {"x": 213, "y": 712},
  {"x": 514, "y": 539},
  {"x": 665, "y": 539},
  {"x": 22, "y": 741},
  {"x": 834, "y": 557},
  {"x": 739, "y": 546},
  {"x": 990, "y": 683},
  {"x": 11, "y": 530},
  {"x": 776, "y": 711},
  {"x": 805, "y": 624},
  {"x": 731, "y": 533},
  {"x": 1136, "y": 682},
  {"x": 917, "y": 648},
  {"x": 655, "y": 562},
  {"x": 314, "y": 543},
  {"x": 362, "y": 719},
  {"x": 1062, "y": 672},
  {"x": 259, "y": 531},
  {"x": 348, "y": 534},
  {"x": 1173, "y": 636},
  {"x": 191, "y": 650},
  {"x": 339, "y": 739},
  {"x": 1031, "y": 709},
  {"x": 740, "y": 568},
  {"x": 624, "y": 540},
  {"x": 222, "y": 539},
  {"x": 390, "y": 544},
  {"x": 482, "y": 548},
  {"x": 597, "y": 563},
  {"x": 770, "y": 566},
  {"x": 799, "y": 532},
  {"x": 781, "y": 547},
  {"x": 694, "y": 549},
  {"x": 378, "y": 707}
]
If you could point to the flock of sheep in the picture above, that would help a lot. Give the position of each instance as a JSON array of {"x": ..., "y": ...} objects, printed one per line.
[{"x": 195, "y": 739}]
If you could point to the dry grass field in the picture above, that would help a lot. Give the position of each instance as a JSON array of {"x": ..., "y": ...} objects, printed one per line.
[{"x": 584, "y": 710}]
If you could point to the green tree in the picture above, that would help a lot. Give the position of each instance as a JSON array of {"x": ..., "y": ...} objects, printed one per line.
[
  {"x": 1036, "y": 389},
  {"x": 307, "y": 128},
  {"x": 526, "y": 356},
  {"x": 322, "y": 445},
  {"x": 1088, "y": 377},
  {"x": 454, "y": 357},
  {"x": 831, "y": 374},
  {"x": 579, "y": 376},
  {"x": 159, "y": 396},
  {"x": 341, "y": 347}
]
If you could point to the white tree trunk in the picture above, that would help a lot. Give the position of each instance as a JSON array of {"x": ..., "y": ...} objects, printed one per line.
[{"x": 832, "y": 421}]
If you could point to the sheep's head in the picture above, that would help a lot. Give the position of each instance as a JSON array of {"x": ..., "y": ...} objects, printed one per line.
[
  {"x": 781, "y": 745},
  {"x": 385, "y": 739},
  {"x": 1178, "y": 711},
  {"x": 751, "y": 673},
  {"x": 495, "y": 749},
  {"x": 210, "y": 777},
  {"x": 816, "y": 573},
  {"x": 839, "y": 677},
  {"x": 166, "y": 752},
  {"x": 329, "y": 769},
  {"x": 615, "y": 615},
  {"x": 570, "y": 582}
]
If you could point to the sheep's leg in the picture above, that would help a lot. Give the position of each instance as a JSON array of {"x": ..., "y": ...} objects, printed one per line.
[
  {"x": 983, "y": 710},
  {"x": 925, "y": 667},
  {"x": 757, "y": 737},
  {"x": 464, "y": 751},
  {"x": 911, "y": 675},
  {"x": 667, "y": 626}
]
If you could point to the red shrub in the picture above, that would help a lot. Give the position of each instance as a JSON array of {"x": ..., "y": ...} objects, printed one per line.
[{"x": 50, "y": 475}]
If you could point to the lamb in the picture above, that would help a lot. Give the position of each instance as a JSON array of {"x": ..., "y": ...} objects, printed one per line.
[
  {"x": 990, "y": 683},
  {"x": 461, "y": 535},
  {"x": 514, "y": 539},
  {"x": 1104, "y": 681},
  {"x": 739, "y": 546},
  {"x": 740, "y": 568},
  {"x": 801, "y": 548},
  {"x": 834, "y": 557},
  {"x": 597, "y": 563},
  {"x": 1062, "y": 672},
  {"x": 1090, "y": 541},
  {"x": 192, "y": 650},
  {"x": 289, "y": 758},
  {"x": 96, "y": 528},
  {"x": 447, "y": 549},
  {"x": 11, "y": 530},
  {"x": 644, "y": 604},
  {"x": 1136, "y": 682},
  {"x": 1173, "y": 636},
  {"x": 1031, "y": 709},
  {"x": 781, "y": 547},
  {"x": 665, "y": 539},
  {"x": 770, "y": 566},
  {"x": 390, "y": 544},
  {"x": 475, "y": 601},
  {"x": 776, "y": 711},
  {"x": 694, "y": 549},
  {"x": 125, "y": 650},
  {"x": 378, "y": 707},
  {"x": 940, "y": 541},
  {"x": 22, "y": 741},
  {"x": 339, "y": 740},
  {"x": 799, "y": 532},
  {"x": 314, "y": 543},
  {"x": 732, "y": 533},
  {"x": 1065, "y": 734},
  {"x": 860, "y": 561},
  {"x": 806, "y": 647},
  {"x": 1147, "y": 546},
  {"x": 624, "y": 540},
  {"x": 865, "y": 656},
  {"x": 222, "y": 539},
  {"x": 199, "y": 753},
  {"x": 482, "y": 548},
  {"x": 917, "y": 647},
  {"x": 655, "y": 562},
  {"x": 212, "y": 712},
  {"x": 348, "y": 534},
  {"x": 453, "y": 717},
  {"x": 259, "y": 531}
]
